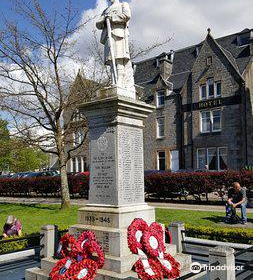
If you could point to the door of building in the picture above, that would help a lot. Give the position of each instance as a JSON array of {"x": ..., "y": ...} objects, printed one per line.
[{"x": 174, "y": 156}]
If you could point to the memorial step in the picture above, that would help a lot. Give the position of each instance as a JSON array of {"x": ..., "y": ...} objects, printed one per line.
[
  {"x": 184, "y": 260},
  {"x": 36, "y": 273}
]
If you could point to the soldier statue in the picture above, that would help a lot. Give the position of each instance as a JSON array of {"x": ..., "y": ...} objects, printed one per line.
[{"x": 114, "y": 22}]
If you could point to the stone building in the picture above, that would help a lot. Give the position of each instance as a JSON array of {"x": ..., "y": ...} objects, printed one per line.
[{"x": 204, "y": 105}]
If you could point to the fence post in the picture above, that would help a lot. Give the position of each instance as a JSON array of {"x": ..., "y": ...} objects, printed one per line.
[
  {"x": 175, "y": 229},
  {"x": 225, "y": 256},
  {"x": 48, "y": 241}
]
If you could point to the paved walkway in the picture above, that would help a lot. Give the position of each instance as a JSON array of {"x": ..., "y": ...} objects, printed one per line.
[{"x": 82, "y": 202}]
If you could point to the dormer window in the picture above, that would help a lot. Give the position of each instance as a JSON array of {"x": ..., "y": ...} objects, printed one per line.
[
  {"x": 243, "y": 39},
  {"x": 160, "y": 98}
]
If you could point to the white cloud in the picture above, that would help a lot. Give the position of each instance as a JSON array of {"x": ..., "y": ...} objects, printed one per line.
[{"x": 183, "y": 20}]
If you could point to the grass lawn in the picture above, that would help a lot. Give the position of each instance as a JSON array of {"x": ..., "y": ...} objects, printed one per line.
[
  {"x": 193, "y": 218},
  {"x": 34, "y": 216}
]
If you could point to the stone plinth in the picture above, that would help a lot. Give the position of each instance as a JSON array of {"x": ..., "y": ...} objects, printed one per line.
[
  {"x": 116, "y": 150},
  {"x": 116, "y": 195}
]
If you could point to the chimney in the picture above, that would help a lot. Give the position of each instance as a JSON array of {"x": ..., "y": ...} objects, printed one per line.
[{"x": 166, "y": 65}]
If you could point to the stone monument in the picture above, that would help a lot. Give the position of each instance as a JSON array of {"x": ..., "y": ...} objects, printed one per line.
[
  {"x": 115, "y": 123},
  {"x": 116, "y": 195}
]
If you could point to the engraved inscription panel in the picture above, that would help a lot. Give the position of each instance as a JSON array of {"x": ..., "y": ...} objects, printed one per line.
[
  {"x": 102, "y": 166},
  {"x": 130, "y": 165}
]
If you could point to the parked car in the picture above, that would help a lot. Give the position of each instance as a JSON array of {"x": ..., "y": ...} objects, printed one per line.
[{"x": 20, "y": 175}]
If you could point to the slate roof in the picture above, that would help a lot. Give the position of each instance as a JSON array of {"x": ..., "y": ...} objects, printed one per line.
[{"x": 147, "y": 72}]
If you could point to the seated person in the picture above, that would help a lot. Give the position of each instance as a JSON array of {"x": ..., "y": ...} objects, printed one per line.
[
  {"x": 12, "y": 227},
  {"x": 236, "y": 198}
]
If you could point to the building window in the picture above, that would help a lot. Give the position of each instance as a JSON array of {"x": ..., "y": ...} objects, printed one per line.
[
  {"x": 210, "y": 90},
  {"x": 160, "y": 128},
  {"x": 243, "y": 39},
  {"x": 205, "y": 122},
  {"x": 214, "y": 158},
  {"x": 201, "y": 158},
  {"x": 78, "y": 137},
  {"x": 203, "y": 92},
  {"x": 209, "y": 61},
  {"x": 161, "y": 160},
  {"x": 78, "y": 164},
  {"x": 210, "y": 121},
  {"x": 222, "y": 158},
  {"x": 217, "y": 89},
  {"x": 210, "y": 85},
  {"x": 216, "y": 120},
  {"x": 160, "y": 99}
]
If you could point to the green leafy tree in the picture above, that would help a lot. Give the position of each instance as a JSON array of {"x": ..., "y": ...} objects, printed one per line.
[{"x": 26, "y": 158}]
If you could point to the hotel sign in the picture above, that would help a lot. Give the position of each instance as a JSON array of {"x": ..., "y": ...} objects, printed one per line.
[
  {"x": 209, "y": 103},
  {"x": 212, "y": 103}
]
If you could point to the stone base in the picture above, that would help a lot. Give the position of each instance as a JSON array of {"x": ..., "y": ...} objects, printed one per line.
[
  {"x": 116, "y": 91},
  {"x": 110, "y": 226},
  {"x": 115, "y": 217}
]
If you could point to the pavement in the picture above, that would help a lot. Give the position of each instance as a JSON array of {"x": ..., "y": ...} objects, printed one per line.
[{"x": 83, "y": 202}]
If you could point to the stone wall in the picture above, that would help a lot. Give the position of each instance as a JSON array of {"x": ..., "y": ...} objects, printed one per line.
[{"x": 232, "y": 134}]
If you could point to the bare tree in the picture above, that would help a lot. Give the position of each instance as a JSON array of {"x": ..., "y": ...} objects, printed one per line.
[
  {"x": 35, "y": 80},
  {"x": 37, "y": 87}
]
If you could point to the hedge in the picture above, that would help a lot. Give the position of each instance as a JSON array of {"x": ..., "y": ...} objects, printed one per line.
[
  {"x": 235, "y": 235},
  {"x": 44, "y": 186},
  {"x": 13, "y": 245},
  {"x": 160, "y": 185},
  {"x": 170, "y": 185}
]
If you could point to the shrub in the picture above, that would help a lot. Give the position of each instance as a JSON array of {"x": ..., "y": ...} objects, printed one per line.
[
  {"x": 169, "y": 185},
  {"x": 44, "y": 186},
  {"x": 13, "y": 245},
  {"x": 232, "y": 235}
]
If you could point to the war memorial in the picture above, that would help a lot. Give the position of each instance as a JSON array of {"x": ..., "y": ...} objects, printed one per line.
[{"x": 116, "y": 199}]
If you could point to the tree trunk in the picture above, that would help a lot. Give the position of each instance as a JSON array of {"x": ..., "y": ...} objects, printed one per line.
[{"x": 65, "y": 197}]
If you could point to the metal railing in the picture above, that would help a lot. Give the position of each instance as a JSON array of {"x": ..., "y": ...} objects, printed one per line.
[{"x": 191, "y": 274}]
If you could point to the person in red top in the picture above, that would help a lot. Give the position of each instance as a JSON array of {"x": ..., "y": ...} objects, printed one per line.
[{"x": 12, "y": 227}]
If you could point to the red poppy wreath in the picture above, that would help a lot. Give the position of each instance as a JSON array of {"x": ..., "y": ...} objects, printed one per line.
[
  {"x": 148, "y": 243},
  {"x": 84, "y": 270},
  {"x": 94, "y": 247},
  {"x": 79, "y": 260},
  {"x": 60, "y": 270},
  {"x": 134, "y": 235},
  {"x": 69, "y": 246}
]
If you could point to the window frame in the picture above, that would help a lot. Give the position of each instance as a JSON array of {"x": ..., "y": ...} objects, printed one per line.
[
  {"x": 218, "y": 153},
  {"x": 206, "y": 155},
  {"x": 157, "y": 98},
  {"x": 206, "y": 85},
  {"x": 158, "y": 136},
  {"x": 161, "y": 158},
  {"x": 198, "y": 167},
  {"x": 212, "y": 130}
]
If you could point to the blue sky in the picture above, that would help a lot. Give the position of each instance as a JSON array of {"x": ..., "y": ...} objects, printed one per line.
[{"x": 80, "y": 5}]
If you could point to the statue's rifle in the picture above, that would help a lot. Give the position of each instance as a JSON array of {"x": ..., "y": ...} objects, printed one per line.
[{"x": 114, "y": 69}]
